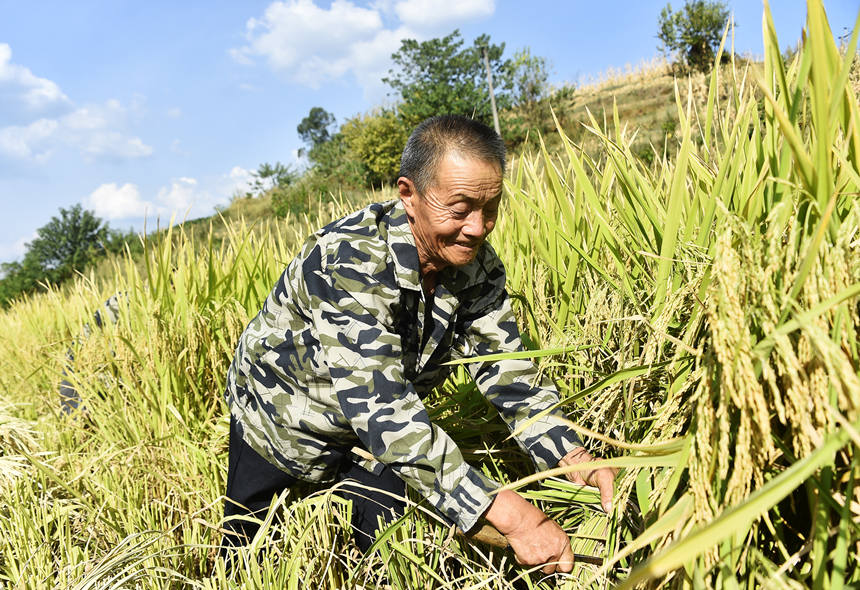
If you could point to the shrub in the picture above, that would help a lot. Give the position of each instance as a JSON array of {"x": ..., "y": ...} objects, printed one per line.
[{"x": 376, "y": 139}]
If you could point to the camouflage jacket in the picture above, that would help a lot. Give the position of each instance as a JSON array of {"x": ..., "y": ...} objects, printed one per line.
[{"x": 342, "y": 354}]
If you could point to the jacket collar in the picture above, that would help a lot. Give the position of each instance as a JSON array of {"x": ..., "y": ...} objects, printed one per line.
[{"x": 401, "y": 245}]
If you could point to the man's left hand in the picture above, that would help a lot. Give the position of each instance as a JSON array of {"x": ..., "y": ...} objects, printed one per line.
[{"x": 602, "y": 478}]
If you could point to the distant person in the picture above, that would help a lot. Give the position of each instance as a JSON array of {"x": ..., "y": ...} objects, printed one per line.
[
  {"x": 354, "y": 335},
  {"x": 70, "y": 399}
]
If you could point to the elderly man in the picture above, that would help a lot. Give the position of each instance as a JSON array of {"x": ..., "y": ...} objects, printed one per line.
[{"x": 354, "y": 335}]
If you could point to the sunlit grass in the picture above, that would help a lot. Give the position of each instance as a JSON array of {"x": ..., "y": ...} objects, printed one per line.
[{"x": 700, "y": 316}]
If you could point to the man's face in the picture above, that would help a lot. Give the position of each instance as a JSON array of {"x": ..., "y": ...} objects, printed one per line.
[{"x": 456, "y": 213}]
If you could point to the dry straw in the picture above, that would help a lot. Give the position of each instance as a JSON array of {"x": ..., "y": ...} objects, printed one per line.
[{"x": 701, "y": 313}]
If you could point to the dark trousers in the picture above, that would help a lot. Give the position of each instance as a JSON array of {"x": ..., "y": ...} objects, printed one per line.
[
  {"x": 69, "y": 398},
  {"x": 252, "y": 482}
]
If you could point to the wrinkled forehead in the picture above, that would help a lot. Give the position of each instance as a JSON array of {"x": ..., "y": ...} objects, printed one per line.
[
  {"x": 458, "y": 166},
  {"x": 454, "y": 153}
]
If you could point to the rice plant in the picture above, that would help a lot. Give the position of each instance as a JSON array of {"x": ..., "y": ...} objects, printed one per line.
[
  {"x": 699, "y": 314},
  {"x": 715, "y": 296}
]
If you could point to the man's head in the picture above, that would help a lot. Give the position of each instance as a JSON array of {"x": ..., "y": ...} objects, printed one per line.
[
  {"x": 451, "y": 185},
  {"x": 433, "y": 138}
]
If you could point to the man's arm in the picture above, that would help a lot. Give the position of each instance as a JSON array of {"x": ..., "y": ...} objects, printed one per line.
[{"x": 516, "y": 388}]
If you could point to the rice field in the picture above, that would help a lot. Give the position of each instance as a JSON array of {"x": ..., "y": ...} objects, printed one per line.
[{"x": 700, "y": 316}]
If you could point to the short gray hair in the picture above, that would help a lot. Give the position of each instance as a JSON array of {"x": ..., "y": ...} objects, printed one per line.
[{"x": 433, "y": 138}]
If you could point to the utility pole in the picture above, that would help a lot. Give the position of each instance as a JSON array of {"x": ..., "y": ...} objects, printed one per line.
[{"x": 490, "y": 84}]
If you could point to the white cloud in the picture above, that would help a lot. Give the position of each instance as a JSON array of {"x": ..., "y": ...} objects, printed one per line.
[
  {"x": 176, "y": 148},
  {"x": 88, "y": 118},
  {"x": 174, "y": 113},
  {"x": 237, "y": 182},
  {"x": 307, "y": 40},
  {"x": 91, "y": 130},
  {"x": 432, "y": 13},
  {"x": 111, "y": 202},
  {"x": 37, "y": 118},
  {"x": 314, "y": 45},
  {"x": 16, "y": 250},
  {"x": 18, "y": 83},
  {"x": 114, "y": 145},
  {"x": 183, "y": 198},
  {"x": 189, "y": 198},
  {"x": 28, "y": 141}
]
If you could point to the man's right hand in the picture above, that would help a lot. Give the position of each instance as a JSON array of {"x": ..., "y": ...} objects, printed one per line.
[{"x": 534, "y": 537}]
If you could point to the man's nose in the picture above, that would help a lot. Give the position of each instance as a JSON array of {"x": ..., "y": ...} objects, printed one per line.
[{"x": 474, "y": 225}]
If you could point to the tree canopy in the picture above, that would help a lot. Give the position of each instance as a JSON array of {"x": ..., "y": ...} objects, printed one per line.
[
  {"x": 268, "y": 176},
  {"x": 377, "y": 139},
  {"x": 529, "y": 77},
  {"x": 440, "y": 76},
  {"x": 314, "y": 129},
  {"x": 694, "y": 32},
  {"x": 68, "y": 243}
]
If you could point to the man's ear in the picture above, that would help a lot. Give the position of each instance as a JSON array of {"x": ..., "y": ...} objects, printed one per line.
[{"x": 407, "y": 192}]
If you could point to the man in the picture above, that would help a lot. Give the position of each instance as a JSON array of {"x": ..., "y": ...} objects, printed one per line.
[
  {"x": 70, "y": 399},
  {"x": 355, "y": 334}
]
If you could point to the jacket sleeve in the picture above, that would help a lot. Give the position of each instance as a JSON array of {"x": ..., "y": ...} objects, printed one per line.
[
  {"x": 516, "y": 388},
  {"x": 363, "y": 358}
]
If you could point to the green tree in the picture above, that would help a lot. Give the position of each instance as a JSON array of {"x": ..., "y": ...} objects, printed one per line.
[
  {"x": 694, "y": 32},
  {"x": 440, "y": 76},
  {"x": 314, "y": 129},
  {"x": 67, "y": 243},
  {"x": 270, "y": 176},
  {"x": 333, "y": 159},
  {"x": 18, "y": 278},
  {"x": 70, "y": 242},
  {"x": 118, "y": 241},
  {"x": 530, "y": 77},
  {"x": 333, "y": 168},
  {"x": 376, "y": 139}
]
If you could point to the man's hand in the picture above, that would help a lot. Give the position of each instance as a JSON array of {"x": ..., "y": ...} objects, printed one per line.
[
  {"x": 603, "y": 478},
  {"x": 535, "y": 539}
]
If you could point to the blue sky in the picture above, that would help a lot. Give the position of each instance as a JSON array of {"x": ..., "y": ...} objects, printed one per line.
[{"x": 159, "y": 108}]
